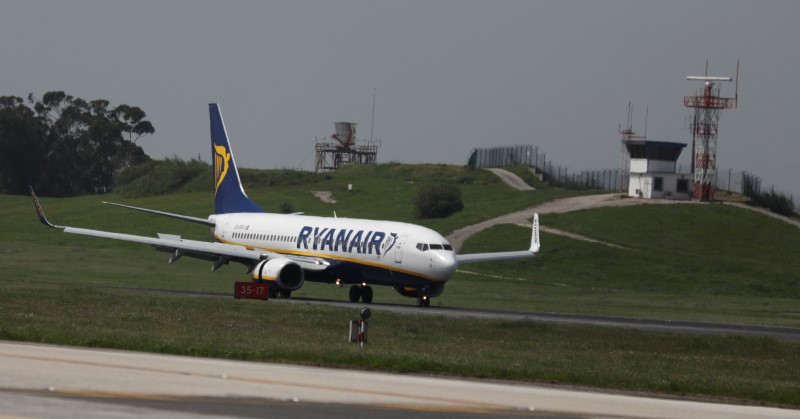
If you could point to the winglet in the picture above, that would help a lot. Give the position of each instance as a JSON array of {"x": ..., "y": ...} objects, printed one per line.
[
  {"x": 535, "y": 234},
  {"x": 40, "y": 211}
]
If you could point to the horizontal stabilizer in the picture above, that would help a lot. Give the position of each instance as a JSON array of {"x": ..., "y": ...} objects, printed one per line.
[{"x": 166, "y": 214}]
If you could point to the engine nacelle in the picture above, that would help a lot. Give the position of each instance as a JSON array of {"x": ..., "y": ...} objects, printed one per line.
[{"x": 287, "y": 274}]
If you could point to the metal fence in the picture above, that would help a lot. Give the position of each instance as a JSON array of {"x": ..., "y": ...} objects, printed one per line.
[
  {"x": 528, "y": 155},
  {"x": 737, "y": 181},
  {"x": 730, "y": 180}
]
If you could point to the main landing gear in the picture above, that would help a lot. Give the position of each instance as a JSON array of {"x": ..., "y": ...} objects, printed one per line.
[
  {"x": 364, "y": 292},
  {"x": 282, "y": 294},
  {"x": 423, "y": 301}
]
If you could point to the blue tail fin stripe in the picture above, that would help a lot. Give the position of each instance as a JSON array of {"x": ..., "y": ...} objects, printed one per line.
[{"x": 229, "y": 195}]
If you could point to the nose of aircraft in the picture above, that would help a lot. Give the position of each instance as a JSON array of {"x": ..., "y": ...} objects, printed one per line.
[{"x": 443, "y": 264}]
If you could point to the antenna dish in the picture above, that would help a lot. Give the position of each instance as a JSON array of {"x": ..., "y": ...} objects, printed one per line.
[{"x": 708, "y": 78}]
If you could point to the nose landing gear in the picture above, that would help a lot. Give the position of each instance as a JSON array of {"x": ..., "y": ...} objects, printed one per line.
[
  {"x": 423, "y": 297},
  {"x": 363, "y": 292},
  {"x": 423, "y": 301}
]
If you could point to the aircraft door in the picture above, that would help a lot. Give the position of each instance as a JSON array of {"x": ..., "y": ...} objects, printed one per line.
[{"x": 398, "y": 249}]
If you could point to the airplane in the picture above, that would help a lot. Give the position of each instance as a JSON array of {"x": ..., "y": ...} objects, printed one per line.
[{"x": 285, "y": 250}]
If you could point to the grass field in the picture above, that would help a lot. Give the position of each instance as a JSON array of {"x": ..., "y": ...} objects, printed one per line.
[
  {"x": 690, "y": 262},
  {"x": 757, "y": 369}
]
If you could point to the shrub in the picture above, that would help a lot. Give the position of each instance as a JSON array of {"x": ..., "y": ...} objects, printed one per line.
[
  {"x": 437, "y": 201},
  {"x": 158, "y": 177},
  {"x": 776, "y": 202},
  {"x": 286, "y": 208}
]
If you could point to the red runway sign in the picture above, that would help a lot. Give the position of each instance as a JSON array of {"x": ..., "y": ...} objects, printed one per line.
[{"x": 256, "y": 290}]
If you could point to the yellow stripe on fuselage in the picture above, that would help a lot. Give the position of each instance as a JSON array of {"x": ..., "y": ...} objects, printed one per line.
[{"x": 334, "y": 257}]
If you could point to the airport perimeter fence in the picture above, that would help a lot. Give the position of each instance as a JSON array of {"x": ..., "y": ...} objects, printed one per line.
[
  {"x": 560, "y": 176},
  {"x": 777, "y": 202},
  {"x": 735, "y": 181}
]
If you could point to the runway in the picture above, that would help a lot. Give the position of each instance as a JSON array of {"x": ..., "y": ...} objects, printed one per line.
[
  {"x": 672, "y": 326},
  {"x": 60, "y": 382}
]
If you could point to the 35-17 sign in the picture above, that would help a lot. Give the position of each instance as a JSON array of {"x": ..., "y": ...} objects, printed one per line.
[{"x": 256, "y": 290}]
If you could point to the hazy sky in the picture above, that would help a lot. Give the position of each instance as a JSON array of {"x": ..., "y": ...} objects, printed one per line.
[{"x": 450, "y": 75}]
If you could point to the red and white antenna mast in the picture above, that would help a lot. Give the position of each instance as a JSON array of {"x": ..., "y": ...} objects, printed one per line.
[{"x": 707, "y": 104}]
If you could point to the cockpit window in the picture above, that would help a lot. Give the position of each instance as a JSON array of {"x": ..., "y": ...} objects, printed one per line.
[{"x": 434, "y": 246}]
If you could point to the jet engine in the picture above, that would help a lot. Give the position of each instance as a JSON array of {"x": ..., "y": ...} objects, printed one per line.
[{"x": 287, "y": 274}]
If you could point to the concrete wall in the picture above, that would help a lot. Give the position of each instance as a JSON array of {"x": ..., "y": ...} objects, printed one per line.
[
  {"x": 643, "y": 185},
  {"x": 645, "y": 165}
]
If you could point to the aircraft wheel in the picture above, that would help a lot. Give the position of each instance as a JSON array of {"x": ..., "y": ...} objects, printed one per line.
[
  {"x": 366, "y": 294},
  {"x": 423, "y": 301},
  {"x": 355, "y": 293},
  {"x": 273, "y": 293},
  {"x": 284, "y": 294}
]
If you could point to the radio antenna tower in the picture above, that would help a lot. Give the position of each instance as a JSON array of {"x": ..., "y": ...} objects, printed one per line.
[
  {"x": 628, "y": 135},
  {"x": 707, "y": 104}
]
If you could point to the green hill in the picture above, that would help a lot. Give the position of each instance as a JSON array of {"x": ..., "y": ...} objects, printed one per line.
[
  {"x": 685, "y": 261},
  {"x": 690, "y": 261}
]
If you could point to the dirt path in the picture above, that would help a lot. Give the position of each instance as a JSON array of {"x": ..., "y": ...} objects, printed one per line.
[
  {"x": 512, "y": 180},
  {"x": 458, "y": 237},
  {"x": 793, "y": 221},
  {"x": 324, "y": 196}
]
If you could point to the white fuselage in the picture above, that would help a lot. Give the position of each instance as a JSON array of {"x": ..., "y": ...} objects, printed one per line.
[{"x": 407, "y": 250}]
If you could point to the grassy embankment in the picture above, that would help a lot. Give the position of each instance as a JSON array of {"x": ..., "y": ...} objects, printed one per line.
[
  {"x": 686, "y": 261},
  {"x": 749, "y": 277},
  {"x": 757, "y": 369}
]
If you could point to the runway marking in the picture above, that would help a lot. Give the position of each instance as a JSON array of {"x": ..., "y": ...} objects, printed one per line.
[
  {"x": 506, "y": 412},
  {"x": 468, "y": 406}
]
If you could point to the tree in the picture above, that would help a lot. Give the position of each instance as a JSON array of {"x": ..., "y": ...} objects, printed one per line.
[
  {"x": 21, "y": 143},
  {"x": 66, "y": 146},
  {"x": 437, "y": 201}
]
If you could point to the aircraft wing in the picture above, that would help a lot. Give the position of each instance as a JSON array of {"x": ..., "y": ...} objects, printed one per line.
[
  {"x": 219, "y": 253},
  {"x": 495, "y": 256}
]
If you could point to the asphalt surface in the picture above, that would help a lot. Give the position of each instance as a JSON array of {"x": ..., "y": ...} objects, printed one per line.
[
  {"x": 671, "y": 326},
  {"x": 62, "y": 382},
  {"x": 41, "y": 381}
]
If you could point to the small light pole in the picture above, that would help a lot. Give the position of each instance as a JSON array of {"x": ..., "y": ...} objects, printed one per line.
[{"x": 358, "y": 328}]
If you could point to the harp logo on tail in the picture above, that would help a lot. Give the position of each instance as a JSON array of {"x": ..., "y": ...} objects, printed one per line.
[{"x": 221, "y": 159}]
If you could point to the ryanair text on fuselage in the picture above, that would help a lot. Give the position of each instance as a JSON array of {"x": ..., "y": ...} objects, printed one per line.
[{"x": 344, "y": 240}]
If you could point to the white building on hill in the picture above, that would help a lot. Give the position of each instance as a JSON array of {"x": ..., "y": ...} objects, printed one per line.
[{"x": 653, "y": 170}]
